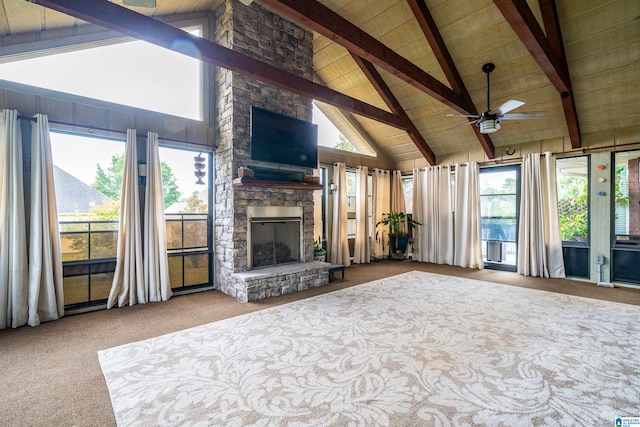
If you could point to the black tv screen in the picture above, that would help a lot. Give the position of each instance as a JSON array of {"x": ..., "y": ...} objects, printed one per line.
[{"x": 276, "y": 138}]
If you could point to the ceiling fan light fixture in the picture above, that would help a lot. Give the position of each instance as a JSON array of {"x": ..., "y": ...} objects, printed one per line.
[{"x": 489, "y": 125}]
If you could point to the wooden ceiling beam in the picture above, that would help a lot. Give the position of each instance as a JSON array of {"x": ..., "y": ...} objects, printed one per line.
[
  {"x": 554, "y": 35},
  {"x": 321, "y": 19},
  {"x": 439, "y": 48},
  {"x": 392, "y": 102},
  {"x": 524, "y": 23},
  {"x": 133, "y": 24}
]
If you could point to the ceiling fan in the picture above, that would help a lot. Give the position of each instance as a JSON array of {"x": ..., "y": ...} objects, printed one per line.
[{"x": 489, "y": 121}]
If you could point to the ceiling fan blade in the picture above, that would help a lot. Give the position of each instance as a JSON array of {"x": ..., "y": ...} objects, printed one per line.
[
  {"x": 464, "y": 124},
  {"x": 512, "y": 104},
  {"x": 469, "y": 116},
  {"x": 523, "y": 116}
]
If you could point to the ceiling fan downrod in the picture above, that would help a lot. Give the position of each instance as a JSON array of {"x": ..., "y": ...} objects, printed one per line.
[{"x": 488, "y": 68}]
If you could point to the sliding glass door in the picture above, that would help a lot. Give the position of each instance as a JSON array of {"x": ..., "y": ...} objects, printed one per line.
[{"x": 500, "y": 205}]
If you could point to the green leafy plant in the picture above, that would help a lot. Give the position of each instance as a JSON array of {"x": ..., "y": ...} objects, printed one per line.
[
  {"x": 317, "y": 245},
  {"x": 399, "y": 223}
]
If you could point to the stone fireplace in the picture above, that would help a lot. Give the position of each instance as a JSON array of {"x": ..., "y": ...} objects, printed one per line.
[{"x": 253, "y": 257}]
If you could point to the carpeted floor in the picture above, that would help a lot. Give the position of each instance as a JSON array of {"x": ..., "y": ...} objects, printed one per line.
[
  {"x": 51, "y": 375},
  {"x": 412, "y": 349}
]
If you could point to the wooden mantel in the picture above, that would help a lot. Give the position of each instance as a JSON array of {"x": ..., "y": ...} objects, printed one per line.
[{"x": 268, "y": 183}]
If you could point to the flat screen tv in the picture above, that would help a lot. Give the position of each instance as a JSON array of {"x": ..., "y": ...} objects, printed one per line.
[{"x": 280, "y": 139}]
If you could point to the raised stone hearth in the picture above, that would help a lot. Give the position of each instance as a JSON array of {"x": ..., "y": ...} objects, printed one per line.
[{"x": 255, "y": 285}]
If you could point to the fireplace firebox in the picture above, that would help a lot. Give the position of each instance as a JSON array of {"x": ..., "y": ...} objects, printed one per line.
[{"x": 274, "y": 236}]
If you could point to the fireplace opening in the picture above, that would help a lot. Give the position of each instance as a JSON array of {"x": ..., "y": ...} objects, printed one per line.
[
  {"x": 274, "y": 236},
  {"x": 275, "y": 242}
]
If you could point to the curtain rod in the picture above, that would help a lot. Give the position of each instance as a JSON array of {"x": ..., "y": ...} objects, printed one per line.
[
  {"x": 93, "y": 128},
  {"x": 563, "y": 154}
]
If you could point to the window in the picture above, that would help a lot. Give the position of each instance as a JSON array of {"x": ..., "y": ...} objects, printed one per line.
[
  {"x": 351, "y": 208},
  {"x": 133, "y": 73},
  {"x": 499, "y": 207},
  {"x": 88, "y": 177},
  {"x": 407, "y": 189},
  {"x": 187, "y": 217},
  {"x": 330, "y": 136},
  {"x": 627, "y": 198},
  {"x": 625, "y": 251},
  {"x": 573, "y": 198}
]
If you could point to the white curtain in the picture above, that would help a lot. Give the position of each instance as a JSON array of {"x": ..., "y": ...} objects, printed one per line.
[
  {"x": 46, "y": 298},
  {"x": 156, "y": 266},
  {"x": 397, "y": 193},
  {"x": 467, "y": 226},
  {"x": 433, "y": 208},
  {"x": 128, "y": 281},
  {"x": 362, "y": 250},
  {"x": 381, "y": 194},
  {"x": 339, "y": 241},
  {"x": 539, "y": 243},
  {"x": 14, "y": 273}
]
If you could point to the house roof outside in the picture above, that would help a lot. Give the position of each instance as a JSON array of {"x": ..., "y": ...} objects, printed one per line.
[{"x": 73, "y": 195}]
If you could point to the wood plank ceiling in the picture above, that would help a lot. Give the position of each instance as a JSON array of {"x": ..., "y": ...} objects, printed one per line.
[{"x": 421, "y": 60}]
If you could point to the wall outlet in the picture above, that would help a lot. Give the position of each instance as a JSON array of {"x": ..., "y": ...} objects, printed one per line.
[{"x": 599, "y": 259}]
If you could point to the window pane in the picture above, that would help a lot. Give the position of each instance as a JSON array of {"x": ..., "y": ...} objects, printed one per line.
[
  {"x": 104, "y": 244},
  {"x": 501, "y": 206},
  {"x": 174, "y": 234},
  {"x": 497, "y": 183},
  {"x": 175, "y": 271},
  {"x": 195, "y": 234},
  {"x": 112, "y": 73},
  {"x": 627, "y": 197},
  {"x": 196, "y": 269},
  {"x": 499, "y": 229},
  {"x": 74, "y": 246},
  {"x": 101, "y": 286},
  {"x": 76, "y": 289},
  {"x": 573, "y": 197},
  {"x": 88, "y": 177},
  {"x": 407, "y": 189}
]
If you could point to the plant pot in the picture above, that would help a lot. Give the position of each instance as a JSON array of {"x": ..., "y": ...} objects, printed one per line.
[
  {"x": 320, "y": 255},
  {"x": 398, "y": 244}
]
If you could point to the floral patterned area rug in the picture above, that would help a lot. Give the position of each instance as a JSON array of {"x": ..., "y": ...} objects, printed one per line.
[{"x": 413, "y": 349}]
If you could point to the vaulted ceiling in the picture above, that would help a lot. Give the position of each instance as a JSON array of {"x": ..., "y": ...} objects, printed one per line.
[{"x": 403, "y": 65}]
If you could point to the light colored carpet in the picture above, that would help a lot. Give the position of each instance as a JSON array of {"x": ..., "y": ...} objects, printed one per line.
[{"x": 413, "y": 349}]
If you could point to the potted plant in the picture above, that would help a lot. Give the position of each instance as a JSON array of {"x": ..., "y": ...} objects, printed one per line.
[
  {"x": 400, "y": 225},
  {"x": 319, "y": 253}
]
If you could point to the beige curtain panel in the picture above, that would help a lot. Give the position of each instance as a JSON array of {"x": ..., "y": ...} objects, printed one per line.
[
  {"x": 397, "y": 193},
  {"x": 467, "y": 217},
  {"x": 433, "y": 208},
  {"x": 14, "y": 271},
  {"x": 381, "y": 193},
  {"x": 362, "y": 246},
  {"x": 339, "y": 241},
  {"x": 46, "y": 294},
  {"x": 156, "y": 264},
  {"x": 539, "y": 242},
  {"x": 128, "y": 281}
]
